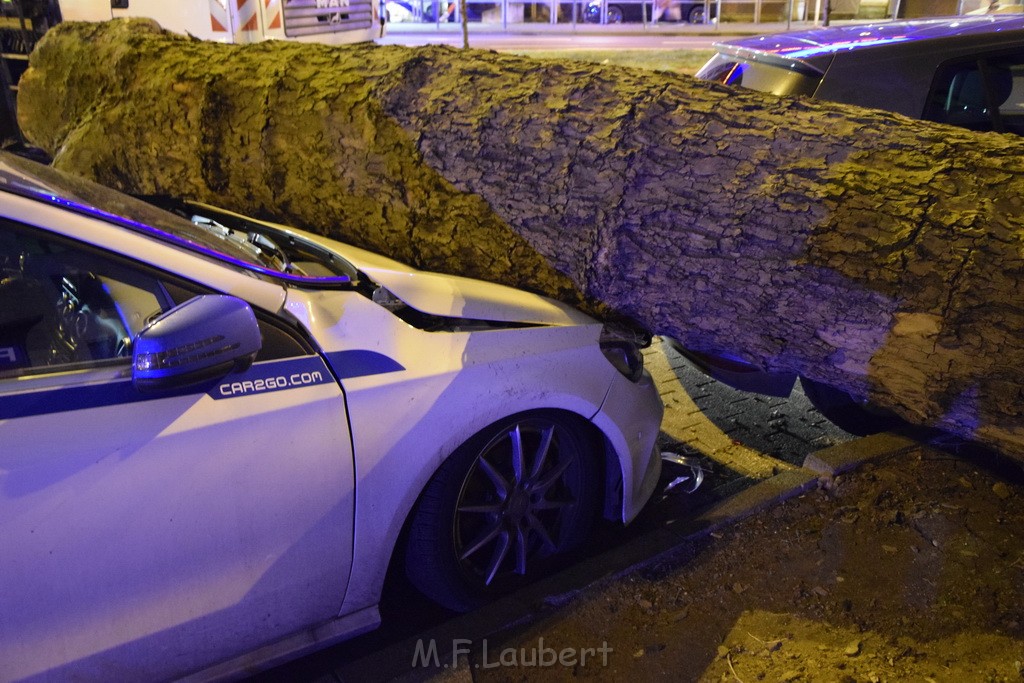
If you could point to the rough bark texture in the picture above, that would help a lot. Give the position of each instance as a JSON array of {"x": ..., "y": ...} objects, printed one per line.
[{"x": 879, "y": 254}]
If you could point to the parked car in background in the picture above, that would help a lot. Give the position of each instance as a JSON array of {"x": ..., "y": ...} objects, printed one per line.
[
  {"x": 432, "y": 11},
  {"x": 964, "y": 71},
  {"x": 218, "y": 433},
  {"x": 619, "y": 11}
]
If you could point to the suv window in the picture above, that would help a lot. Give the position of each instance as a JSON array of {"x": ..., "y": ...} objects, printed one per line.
[{"x": 983, "y": 94}]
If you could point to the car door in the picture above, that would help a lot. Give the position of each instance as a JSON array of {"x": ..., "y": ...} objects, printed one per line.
[{"x": 145, "y": 535}]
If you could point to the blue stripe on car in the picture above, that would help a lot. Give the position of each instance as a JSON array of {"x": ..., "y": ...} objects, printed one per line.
[
  {"x": 64, "y": 399},
  {"x": 261, "y": 377},
  {"x": 264, "y": 377},
  {"x": 360, "y": 363}
]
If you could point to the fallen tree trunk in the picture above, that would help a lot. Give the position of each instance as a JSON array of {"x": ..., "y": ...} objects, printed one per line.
[{"x": 881, "y": 255}]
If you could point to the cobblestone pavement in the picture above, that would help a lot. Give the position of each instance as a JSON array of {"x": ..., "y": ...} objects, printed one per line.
[{"x": 739, "y": 434}]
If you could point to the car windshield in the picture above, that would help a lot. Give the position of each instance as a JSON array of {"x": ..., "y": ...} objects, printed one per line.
[
  {"x": 288, "y": 251},
  {"x": 775, "y": 79},
  {"x": 42, "y": 182},
  {"x": 250, "y": 249}
]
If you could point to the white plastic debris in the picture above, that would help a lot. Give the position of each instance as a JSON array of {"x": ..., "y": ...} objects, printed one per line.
[{"x": 687, "y": 483}]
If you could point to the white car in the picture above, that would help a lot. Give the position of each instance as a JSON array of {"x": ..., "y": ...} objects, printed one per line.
[{"x": 214, "y": 433}]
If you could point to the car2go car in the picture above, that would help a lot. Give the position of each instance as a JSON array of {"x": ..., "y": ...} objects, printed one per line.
[
  {"x": 693, "y": 12},
  {"x": 215, "y": 431}
]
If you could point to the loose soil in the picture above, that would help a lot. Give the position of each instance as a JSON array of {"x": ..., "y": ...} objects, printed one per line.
[{"x": 908, "y": 569}]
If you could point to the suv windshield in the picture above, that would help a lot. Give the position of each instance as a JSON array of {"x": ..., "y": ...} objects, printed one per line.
[{"x": 762, "y": 76}]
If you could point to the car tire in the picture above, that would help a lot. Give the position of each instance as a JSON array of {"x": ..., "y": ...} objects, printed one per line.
[
  {"x": 846, "y": 412},
  {"x": 615, "y": 15},
  {"x": 695, "y": 15},
  {"x": 480, "y": 530}
]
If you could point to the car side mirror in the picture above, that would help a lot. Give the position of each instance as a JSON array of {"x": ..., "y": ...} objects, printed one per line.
[{"x": 202, "y": 339}]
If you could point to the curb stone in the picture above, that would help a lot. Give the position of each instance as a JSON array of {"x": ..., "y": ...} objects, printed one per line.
[{"x": 844, "y": 457}]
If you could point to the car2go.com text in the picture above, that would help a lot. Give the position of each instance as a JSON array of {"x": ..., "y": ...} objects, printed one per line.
[{"x": 273, "y": 383}]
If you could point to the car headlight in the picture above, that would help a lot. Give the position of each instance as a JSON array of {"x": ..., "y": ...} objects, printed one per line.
[{"x": 622, "y": 349}]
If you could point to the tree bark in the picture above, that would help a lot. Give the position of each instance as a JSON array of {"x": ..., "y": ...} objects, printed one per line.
[{"x": 863, "y": 249}]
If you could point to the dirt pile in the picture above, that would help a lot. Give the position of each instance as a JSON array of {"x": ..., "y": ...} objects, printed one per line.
[{"x": 908, "y": 569}]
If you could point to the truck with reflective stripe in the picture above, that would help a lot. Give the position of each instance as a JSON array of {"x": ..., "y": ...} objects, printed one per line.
[{"x": 244, "y": 21}]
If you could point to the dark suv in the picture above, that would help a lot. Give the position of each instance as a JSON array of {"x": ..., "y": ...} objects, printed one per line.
[{"x": 964, "y": 71}]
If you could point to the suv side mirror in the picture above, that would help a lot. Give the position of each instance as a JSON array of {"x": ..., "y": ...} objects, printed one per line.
[{"x": 202, "y": 339}]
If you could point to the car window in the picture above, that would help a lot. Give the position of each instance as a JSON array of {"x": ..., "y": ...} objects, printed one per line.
[
  {"x": 63, "y": 306},
  {"x": 984, "y": 94}
]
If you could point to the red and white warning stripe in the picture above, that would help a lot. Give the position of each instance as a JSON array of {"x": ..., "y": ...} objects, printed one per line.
[
  {"x": 220, "y": 22},
  {"x": 272, "y": 14},
  {"x": 248, "y": 19}
]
